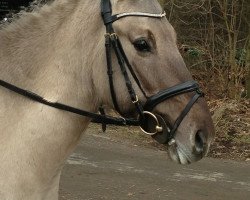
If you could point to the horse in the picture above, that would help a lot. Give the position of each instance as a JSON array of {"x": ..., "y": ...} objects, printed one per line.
[{"x": 61, "y": 52}]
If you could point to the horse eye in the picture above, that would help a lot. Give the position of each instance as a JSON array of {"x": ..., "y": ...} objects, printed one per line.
[{"x": 142, "y": 45}]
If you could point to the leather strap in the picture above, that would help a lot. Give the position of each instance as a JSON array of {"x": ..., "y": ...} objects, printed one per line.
[
  {"x": 97, "y": 118},
  {"x": 121, "y": 61},
  {"x": 108, "y": 47},
  {"x": 130, "y": 67},
  {"x": 182, "y": 88},
  {"x": 183, "y": 115}
]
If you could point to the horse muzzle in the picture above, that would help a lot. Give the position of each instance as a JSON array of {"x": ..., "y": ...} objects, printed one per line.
[{"x": 154, "y": 124}]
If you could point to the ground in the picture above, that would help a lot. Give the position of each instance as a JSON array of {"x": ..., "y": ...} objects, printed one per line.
[{"x": 111, "y": 167}]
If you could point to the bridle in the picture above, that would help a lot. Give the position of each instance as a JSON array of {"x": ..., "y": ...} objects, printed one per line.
[
  {"x": 161, "y": 131},
  {"x": 112, "y": 41}
]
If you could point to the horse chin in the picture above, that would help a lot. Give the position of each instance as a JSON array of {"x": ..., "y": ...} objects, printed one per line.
[
  {"x": 180, "y": 155},
  {"x": 177, "y": 155}
]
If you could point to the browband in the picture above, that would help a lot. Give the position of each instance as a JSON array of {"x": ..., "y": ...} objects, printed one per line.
[{"x": 113, "y": 18}]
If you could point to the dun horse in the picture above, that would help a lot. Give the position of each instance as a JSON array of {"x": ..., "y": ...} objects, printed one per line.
[{"x": 58, "y": 52}]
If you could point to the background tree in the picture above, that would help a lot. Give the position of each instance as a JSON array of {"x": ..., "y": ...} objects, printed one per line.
[
  {"x": 248, "y": 67},
  {"x": 213, "y": 36},
  {"x": 248, "y": 52}
]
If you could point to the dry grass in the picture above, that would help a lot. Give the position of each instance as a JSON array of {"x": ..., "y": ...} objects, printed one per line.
[{"x": 232, "y": 123}]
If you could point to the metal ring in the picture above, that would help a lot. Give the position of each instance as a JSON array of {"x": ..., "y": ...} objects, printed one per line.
[{"x": 158, "y": 127}]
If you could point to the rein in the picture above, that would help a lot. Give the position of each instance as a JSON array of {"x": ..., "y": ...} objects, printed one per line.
[
  {"x": 162, "y": 132},
  {"x": 97, "y": 117}
]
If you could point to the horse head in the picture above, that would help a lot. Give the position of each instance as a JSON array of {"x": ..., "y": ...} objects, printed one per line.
[{"x": 171, "y": 106}]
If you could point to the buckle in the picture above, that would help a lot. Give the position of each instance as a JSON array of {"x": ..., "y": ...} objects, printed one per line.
[
  {"x": 114, "y": 36},
  {"x": 136, "y": 100},
  {"x": 111, "y": 35}
]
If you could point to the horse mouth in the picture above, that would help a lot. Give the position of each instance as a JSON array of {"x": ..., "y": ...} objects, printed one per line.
[
  {"x": 178, "y": 155},
  {"x": 187, "y": 152}
]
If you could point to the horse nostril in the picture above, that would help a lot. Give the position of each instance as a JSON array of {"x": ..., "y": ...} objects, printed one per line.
[{"x": 200, "y": 142}]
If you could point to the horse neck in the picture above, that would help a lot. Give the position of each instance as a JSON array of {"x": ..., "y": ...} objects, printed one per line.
[{"x": 52, "y": 51}]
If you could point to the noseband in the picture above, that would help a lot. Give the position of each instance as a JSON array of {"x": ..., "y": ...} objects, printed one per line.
[{"x": 161, "y": 131}]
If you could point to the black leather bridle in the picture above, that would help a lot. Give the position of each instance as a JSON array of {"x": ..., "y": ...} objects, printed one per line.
[{"x": 162, "y": 132}]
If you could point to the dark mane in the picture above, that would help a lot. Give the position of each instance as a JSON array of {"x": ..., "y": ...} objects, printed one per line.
[{"x": 13, "y": 15}]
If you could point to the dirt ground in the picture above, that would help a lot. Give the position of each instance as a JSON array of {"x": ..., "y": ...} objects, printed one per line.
[
  {"x": 103, "y": 168},
  {"x": 123, "y": 163}
]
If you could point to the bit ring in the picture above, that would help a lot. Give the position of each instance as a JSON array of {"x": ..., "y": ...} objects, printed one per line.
[{"x": 158, "y": 127}]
